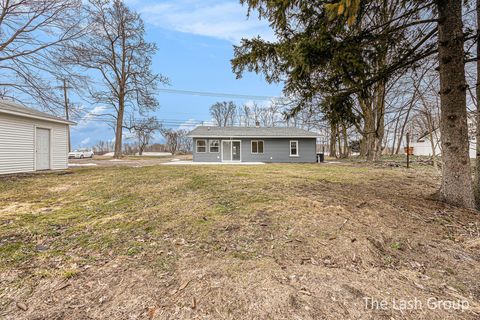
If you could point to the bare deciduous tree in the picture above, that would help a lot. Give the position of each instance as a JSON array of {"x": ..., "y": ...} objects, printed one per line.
[
  {"x": 223, "y": 113},
  {"x": 172, "y": 140},
  {"x": 32, "y": 32},
  {"x": 143, "y": 131},
  {"x": 246, "y": 115},
  {"x": 269, "y": 116},
  {"x": 185, "y": 142},
  {"x": 103, "y": 147},
  {"x": 115, "y": 48}
]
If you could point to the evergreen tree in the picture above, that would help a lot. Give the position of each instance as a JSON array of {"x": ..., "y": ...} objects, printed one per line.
[{"x": 355, "y": 47}]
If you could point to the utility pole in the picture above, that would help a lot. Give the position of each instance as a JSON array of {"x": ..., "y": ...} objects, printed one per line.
[{"x": 65, "y": 96}]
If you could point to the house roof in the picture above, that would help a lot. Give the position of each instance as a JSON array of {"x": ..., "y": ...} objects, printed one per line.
[
  {"x": 13, "y": 108},
  {"x": 250, "y": 132}
]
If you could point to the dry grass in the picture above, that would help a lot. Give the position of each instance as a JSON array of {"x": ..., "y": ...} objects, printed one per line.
[{"x": 232, "y": 242}]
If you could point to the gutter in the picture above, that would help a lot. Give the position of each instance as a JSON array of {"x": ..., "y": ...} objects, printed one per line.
[{"x": 254, "y": 137}]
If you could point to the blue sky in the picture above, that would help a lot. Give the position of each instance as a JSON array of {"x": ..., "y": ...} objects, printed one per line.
[{"x": 195, "y": 41}]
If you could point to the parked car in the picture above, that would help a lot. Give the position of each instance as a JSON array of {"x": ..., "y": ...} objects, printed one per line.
[{"x": 80, "y": 154}]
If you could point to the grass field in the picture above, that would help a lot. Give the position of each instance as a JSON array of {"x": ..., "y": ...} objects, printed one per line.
[{"x": 232, "y": 242}]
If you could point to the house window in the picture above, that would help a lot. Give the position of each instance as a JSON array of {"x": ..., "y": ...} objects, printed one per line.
[
  {"x": 214, "y": 145},
  {"x": 257, "y": 146},
  {"x": 201, "y": 146},
  {"x": 293, "y": 148}
]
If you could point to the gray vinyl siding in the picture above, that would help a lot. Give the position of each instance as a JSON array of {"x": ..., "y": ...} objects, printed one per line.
[
  {"x": 274, "y": 150},
  {"x": 206, "y": 156},
  {"x": 17, "y": 143}
]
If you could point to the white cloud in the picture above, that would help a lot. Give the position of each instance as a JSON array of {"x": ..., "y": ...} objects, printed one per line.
[
  {"x": 221, "y": 19},
  {"x": 85, "y": 141},
  {"x": 91, "y": 118}
]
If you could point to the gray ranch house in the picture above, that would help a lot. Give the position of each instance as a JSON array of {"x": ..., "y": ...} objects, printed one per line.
[{"x": 253, "y": 144}]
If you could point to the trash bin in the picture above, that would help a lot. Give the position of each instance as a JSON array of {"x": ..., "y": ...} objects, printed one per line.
[{"x": 320, "y": 157}]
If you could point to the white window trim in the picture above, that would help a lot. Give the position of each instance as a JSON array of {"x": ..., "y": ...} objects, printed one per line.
[
  {"x": 251, "y": 147},
  {"x": 231, "y": 151},
  {"x": 290, "y": 147},
  {"x": 196, "y": 146},
  {"x": 209, "y": 146}
]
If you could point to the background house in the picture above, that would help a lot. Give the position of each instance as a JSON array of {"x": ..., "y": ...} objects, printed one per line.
[
  {"x": 423, "y": 147},
  {"x": 31, "y": 140},
  {"x": 253, "y": 144}
]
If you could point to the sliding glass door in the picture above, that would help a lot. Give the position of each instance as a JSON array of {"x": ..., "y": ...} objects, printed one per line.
[
  {"x": 226, "y": 150},
  {"x": 235, "y": 150},
  {"x": 231, "y": 150}
]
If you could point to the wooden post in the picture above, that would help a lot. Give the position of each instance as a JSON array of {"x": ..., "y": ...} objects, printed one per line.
[{"x": 408, "y": 150}]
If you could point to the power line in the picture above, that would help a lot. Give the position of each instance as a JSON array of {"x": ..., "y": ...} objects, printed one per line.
[
  {"x": 219, "y": 94},
  {"x": 98, "y": 119},
  {"x": 165, "y": 122}
]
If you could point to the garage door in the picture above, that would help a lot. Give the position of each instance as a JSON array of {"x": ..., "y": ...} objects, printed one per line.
[{"x": 43, "y": 149}]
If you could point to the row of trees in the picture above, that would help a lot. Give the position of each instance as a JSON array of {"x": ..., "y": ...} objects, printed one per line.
[
  {"x": 97, "y": 48},
  {"x": 412, "y": 106},
  {"x": 176, "y": 141},
  {"x": 274, "y": 114},
  {"x": 349, "y": 57},
  {"x": 343, "y": 60}
]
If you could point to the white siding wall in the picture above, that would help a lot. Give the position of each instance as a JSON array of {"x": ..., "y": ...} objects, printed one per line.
[
  {"x": 17, "y": 143},
  {"x": 60, "y": 146},
  {"x": 425, "y": 148}
]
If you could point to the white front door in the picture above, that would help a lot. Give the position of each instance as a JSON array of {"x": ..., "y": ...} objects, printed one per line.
[
  {"x": 42, "y": 149},
  {"x": 231, "y": 150}
]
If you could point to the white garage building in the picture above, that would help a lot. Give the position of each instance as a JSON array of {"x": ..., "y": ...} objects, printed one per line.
[{"x": 31, "y": 140}]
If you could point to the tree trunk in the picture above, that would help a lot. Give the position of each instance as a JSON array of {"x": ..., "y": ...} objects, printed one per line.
[
  {"x": 402, "y": 131},
  {"x": 369, "y": 136},
  {"x": 400, "y": 138},
  {"x": 345, "y": 141},
  {"x": 432, "y": 141},
  {"x": 119, "y": 130},
  {"x": 476, "y": 183},
  {"x": 456, "y": 187},
  {"x": 339, "y": 141},
  {"x": 333, "y": 141},
  {"x": 380, "y": 119},
  {"x": 363, "y": 148},
  {"x": 395, "y": 133}
]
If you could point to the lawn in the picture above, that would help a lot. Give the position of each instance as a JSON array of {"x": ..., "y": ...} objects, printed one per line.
[{"x": 234, "y": 242}]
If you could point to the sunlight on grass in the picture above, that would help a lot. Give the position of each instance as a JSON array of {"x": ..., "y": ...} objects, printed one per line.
[{"x": 118, "y": 209}]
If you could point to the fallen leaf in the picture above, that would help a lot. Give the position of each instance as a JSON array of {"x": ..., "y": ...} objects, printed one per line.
[
  {"x": 22, "y": 306},
  {"x": 151, "y": 312}
]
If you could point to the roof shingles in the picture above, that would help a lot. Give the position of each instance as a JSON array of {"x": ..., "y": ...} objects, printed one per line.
[{"x": 250, "y": 132}]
